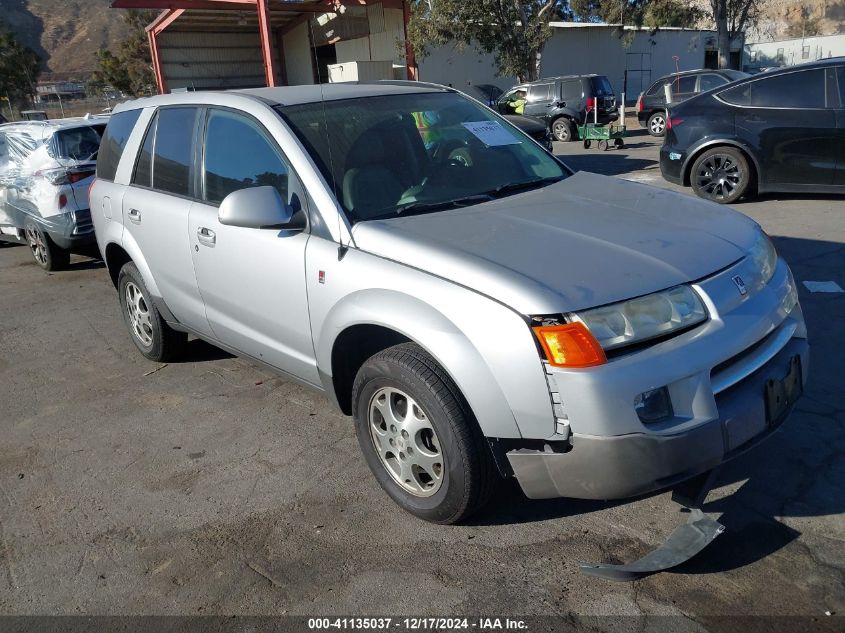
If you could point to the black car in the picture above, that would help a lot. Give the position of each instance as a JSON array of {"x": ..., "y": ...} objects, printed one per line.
[
  {"x": 651, "y": 104},
  {"x": 779, "y": 131},
  {"x": 562, "y": 102},
  {"x": 533, "y": 127}
]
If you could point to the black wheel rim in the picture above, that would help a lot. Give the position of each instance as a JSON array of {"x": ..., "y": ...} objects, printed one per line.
[{"x": 720, "y": 176}]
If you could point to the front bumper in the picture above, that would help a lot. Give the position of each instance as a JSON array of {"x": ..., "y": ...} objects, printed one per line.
[
  {"x": 617, "y": 467},
  {"x": 715, "y": 375}
]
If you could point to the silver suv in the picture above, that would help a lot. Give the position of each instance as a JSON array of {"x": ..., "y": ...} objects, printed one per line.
[{"x": 480, "y": 310}]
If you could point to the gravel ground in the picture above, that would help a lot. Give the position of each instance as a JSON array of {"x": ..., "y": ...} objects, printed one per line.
[{"x": 210, "y": 487}]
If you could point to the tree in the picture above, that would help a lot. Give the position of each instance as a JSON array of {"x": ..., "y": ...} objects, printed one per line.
[
  {"x": 514, "y": 30},
  {"x": 19, "y": 69},
  {"x": 130, "y": 68},
  {"x": 651, "y": 13},
  {"x": 733, "y": 17}
]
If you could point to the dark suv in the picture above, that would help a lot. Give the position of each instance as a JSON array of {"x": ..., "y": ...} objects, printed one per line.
[
  {"x": 562, "y": 102},
  {"x": 651, "y": 105},
  {"x": 778, "y": 131}
]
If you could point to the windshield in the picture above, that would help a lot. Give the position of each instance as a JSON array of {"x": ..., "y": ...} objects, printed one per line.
[
  {"x": 417, "y": 153},
  {"x": 78, "y": 143}
]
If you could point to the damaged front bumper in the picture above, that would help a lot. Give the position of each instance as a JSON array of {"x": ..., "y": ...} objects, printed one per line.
[{"x": 618, "y": 467}]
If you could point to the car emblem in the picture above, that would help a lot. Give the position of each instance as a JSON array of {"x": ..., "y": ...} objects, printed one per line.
[{"x": 740, "y": 285}]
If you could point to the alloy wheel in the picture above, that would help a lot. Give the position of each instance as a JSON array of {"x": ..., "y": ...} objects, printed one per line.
[
  {"x": 406, "y": 442},
  {"x": 657, "y": 125},
  {"x": 719, "y": 176},
  {"x": 37, "y": 245},
  {"x": 139, "y": 314}
]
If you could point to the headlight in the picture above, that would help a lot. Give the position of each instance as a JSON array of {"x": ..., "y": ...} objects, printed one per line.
[
  {"x": 764, "y": 258},
  {"x": 643, "y": 318}
]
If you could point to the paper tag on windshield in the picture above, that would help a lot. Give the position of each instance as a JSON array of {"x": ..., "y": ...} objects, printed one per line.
[{"x": 491, "y": 133}]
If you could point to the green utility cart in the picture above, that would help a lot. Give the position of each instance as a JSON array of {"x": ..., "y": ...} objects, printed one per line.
[{"x": 604, "y": 134}]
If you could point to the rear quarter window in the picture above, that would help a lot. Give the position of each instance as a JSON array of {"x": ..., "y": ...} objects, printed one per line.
[{"x": 114, "y": 141}]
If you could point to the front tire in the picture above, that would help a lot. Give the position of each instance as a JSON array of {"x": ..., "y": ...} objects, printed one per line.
[
  {"x": 562, "y": 130},
  {"x": 419, "y": 437},
  {"x": 152, "y": 336},
  {"x": 721, "y": 174},
  {"x": 44, "y": 250},
  {"x": 657, "y": 124}
]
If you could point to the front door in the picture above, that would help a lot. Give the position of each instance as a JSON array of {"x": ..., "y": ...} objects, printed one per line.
[
  {"x": 251, "y": 280},
  {"x": 787, "y": 120},
  {"x": 156, "y": 207}
]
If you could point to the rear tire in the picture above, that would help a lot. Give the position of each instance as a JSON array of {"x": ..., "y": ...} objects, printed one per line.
[
  {"x": 657, "y": 124},
  {"x": 44, "y": 250},
  {"x": 721, "y": 174},
  {"x": 562, "y": 130},
  {"x": 407, "y": 408},
  {"x": 152, "y": 336}
]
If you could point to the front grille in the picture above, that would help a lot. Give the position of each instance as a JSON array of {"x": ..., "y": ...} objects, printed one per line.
[{"x": 82, "y": 222}]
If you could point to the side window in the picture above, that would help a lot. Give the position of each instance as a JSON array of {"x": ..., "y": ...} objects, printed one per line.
[
  {"x": 683, "y": 85},
  {"x": 143, "y": 175},
  {"x": 804, "y": 89},
  {"x": 540, "y": 92},
  {"x": 114, "y": 140},
  {"x": 238, "y": 155},
  {"x": 174, "y": 150},
  {"x": 710, "y": 81},
  {"x": 741, "y": 95},
  {"x": 836, "y": 87},
  {"x": 571, "y": 89}
]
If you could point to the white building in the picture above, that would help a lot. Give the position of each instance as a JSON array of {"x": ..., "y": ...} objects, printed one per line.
[
  {"x": 637, "y": 55},
  {"x": 790, "y": 52}
]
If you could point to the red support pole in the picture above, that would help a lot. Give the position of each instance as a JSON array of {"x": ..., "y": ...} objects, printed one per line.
[
  {"x": 161, "y": 85},
  {"x": 266, "y": 34},
  {"x": 410, "y": 59}
]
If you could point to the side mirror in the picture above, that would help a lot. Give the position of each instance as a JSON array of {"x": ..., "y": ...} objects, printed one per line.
[{"x": 260, "y": 208}]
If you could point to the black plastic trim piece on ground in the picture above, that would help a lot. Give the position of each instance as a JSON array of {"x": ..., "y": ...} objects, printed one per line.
[{"x": 685, "y": 541}]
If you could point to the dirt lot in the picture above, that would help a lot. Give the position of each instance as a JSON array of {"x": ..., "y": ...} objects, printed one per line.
[{"x": 210, "y": 487}]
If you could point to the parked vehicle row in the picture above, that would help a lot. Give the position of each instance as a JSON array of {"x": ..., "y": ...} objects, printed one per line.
[
  {"x": 477, "y": 308},
  {"x": 46, "y": 168},
  {"x": 779, "y": 131}
]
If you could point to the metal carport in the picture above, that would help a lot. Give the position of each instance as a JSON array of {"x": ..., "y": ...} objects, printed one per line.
[{"x": 214, "y": 44}]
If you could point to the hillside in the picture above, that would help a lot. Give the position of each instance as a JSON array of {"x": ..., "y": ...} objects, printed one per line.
[
  {"x": 826, "y": 16},
  {"x": 65, "y": 33}
]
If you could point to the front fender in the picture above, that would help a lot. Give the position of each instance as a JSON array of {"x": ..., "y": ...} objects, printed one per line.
[{"x": 435, "y": 333}]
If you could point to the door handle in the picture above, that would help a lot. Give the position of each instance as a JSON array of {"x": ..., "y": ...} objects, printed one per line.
[
  {"x": 206, "y": 236},
  {"x": 134, "y": 216}
]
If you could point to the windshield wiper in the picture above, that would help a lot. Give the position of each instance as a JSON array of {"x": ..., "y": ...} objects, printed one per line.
[
  {"x": 512, "y": 187},
  {"x": 423, "y": 207}
]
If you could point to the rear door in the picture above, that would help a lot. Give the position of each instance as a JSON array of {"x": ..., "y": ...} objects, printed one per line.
[
  {"x": 156, "y": 207},
  {"x": 785, "y": 118},
  {"x": 252, "y": 280}
]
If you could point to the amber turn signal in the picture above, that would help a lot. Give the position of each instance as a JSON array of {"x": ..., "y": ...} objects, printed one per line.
[{"x": 570, "y": 345}]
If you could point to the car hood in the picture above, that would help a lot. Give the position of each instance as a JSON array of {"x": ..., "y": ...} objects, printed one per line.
[{"x": 586, "y": 241}]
